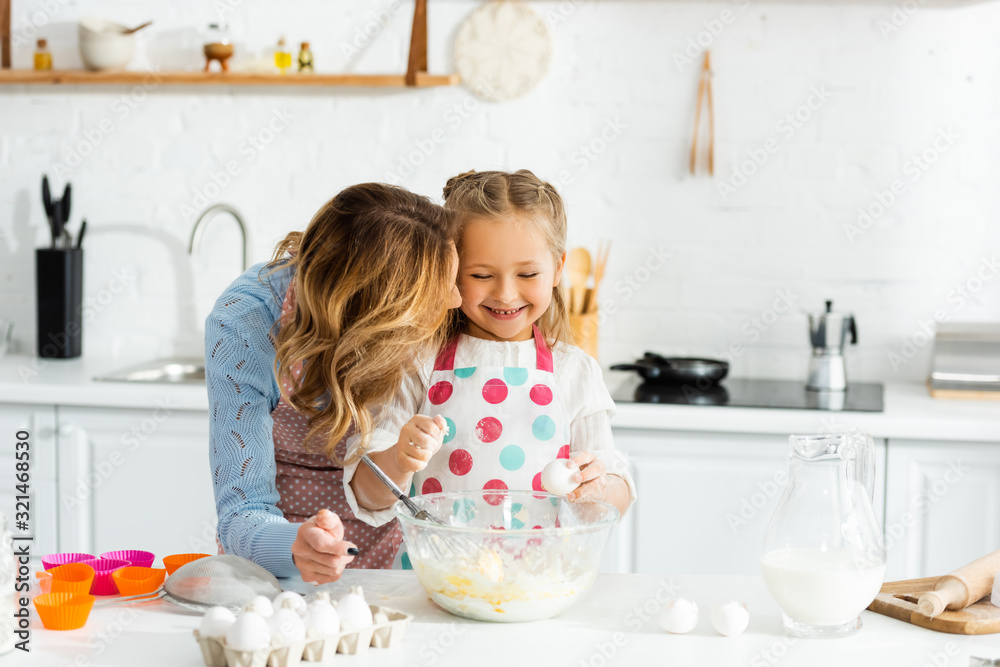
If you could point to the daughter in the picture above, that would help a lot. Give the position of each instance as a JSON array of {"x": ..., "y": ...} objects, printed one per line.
[{"x": 509, "y": 392}]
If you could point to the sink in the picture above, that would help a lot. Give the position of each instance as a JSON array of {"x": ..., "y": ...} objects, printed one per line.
[{"x": 163, "y": 371}]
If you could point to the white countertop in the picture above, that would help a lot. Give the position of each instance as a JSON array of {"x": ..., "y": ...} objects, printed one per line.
[
  {"x": 25, "y": 379},
  {"x": 910, "y": 412},
  {"x": 614, "y": 624}
]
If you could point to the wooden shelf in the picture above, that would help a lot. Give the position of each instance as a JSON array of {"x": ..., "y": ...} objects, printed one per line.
[
  {"x": 416, "y": 75},
  {"x": 423, "y": 80}
]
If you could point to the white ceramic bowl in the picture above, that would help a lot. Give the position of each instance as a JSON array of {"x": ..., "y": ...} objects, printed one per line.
[{"x": 103, "y": 46}]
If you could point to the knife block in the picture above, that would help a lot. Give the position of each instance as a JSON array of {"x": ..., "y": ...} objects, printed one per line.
[{"x": 59, "y": 300}]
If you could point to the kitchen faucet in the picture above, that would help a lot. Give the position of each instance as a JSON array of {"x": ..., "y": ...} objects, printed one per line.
[{"x": 202, "y": 222}]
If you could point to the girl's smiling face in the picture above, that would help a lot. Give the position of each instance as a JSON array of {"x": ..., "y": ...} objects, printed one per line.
[{"x": 506, "y": 276}]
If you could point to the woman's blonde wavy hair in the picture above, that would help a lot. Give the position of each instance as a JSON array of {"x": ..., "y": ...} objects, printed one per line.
[
  {"x": 514, "y": 197},
  {"x": 373, "y": 279}
]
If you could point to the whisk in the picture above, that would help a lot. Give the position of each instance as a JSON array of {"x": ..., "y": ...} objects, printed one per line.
[{"x": 453, "y": 545}]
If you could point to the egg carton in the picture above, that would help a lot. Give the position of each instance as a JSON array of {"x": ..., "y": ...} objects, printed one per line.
[{"x": 386, "y": 632}]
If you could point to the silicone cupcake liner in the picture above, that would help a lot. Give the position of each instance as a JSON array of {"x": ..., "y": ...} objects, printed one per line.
[
  {"x": 73, "y": 578},
  {"x": 176, "y": 560},
  {"x": 104, "y": 584},
  {"x": 44, "y": 581},
  {"x": 133, "y": 556},
  {"x": 138, "y": 580},
  {"x": 63, "y": 611},
  {"x": 385, "y": 634},
  {"x": 55, "y": 560}
]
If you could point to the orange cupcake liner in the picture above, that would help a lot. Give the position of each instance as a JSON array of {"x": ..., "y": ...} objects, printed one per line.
[
  {"x": 63, "y": 611},
  {"x": 138, "y": 580},
  {"x": 177, "y": 560},
  {"x": 71, "y": 578}
]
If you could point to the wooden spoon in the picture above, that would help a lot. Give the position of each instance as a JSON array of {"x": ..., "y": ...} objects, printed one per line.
[
  {"x": 137, "y": 28},
  {"x": 579, "y": 272},
  {"x": 603, "y": 250}
]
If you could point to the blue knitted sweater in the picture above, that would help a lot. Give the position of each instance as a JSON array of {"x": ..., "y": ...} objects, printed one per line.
[{"x": 242, "y": 392}]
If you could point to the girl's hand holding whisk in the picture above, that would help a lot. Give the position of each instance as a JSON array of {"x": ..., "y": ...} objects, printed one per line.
[{"x": 419, "y": 439}]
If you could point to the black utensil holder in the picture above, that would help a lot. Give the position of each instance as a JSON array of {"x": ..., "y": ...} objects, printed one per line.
[{"x": 59, "y": 300}]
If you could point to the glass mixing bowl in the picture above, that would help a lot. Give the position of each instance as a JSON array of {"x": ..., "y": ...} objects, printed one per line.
[{"x": 506, "y": 556}]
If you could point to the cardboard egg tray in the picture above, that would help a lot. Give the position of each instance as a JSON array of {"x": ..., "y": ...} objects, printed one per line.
[{"x": 385, "y": 634}]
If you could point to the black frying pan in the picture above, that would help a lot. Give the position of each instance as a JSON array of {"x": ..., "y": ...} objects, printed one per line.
[{"x": 676, "y": 370}]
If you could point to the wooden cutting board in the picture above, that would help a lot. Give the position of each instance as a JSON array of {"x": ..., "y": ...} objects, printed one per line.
[{"x": 898, "y": 599}]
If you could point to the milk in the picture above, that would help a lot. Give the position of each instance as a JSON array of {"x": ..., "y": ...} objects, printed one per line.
[{"x": 822, "y": 588}]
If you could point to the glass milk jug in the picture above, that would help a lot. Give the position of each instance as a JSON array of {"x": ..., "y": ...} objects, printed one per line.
[{"x": 823, "y": 558}]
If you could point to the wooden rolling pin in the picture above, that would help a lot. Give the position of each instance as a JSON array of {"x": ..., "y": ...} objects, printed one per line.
[{"x": 964, "y": 586}]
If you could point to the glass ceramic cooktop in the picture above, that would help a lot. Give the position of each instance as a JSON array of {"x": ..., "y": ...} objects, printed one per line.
[{"x": 750, "y": 393}]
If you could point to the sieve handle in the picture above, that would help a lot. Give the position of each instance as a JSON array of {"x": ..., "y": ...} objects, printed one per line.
[{"x": 143, "y": 597}]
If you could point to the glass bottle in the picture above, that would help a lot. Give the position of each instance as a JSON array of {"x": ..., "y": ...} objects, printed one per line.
[
  {"x": 282, "y": 57},
  {"x": 43, "y": 58},
  {"x": 823, "y": 558},
  {"x": 305, "y": 58}
]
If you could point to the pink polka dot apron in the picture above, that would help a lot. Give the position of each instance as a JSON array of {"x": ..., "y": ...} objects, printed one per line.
[
  {"x": 308, "y": 481},
  {"x": 504, "y": 425}
]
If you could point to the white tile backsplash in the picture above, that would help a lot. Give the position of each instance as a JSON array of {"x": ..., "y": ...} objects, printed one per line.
[{"x": 610, "y": 125}]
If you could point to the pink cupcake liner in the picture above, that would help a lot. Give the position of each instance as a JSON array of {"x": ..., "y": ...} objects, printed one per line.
[
  {"x": 104, "y": 584},
  {"x": 55, "y": 560},
  {"x": 135, "y": 557}
]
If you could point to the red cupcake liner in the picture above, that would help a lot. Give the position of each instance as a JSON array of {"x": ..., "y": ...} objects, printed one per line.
[{"x": 104, "y": 584}]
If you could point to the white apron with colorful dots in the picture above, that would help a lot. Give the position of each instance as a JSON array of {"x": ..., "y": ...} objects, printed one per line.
[{"x": 504, "y": 425}]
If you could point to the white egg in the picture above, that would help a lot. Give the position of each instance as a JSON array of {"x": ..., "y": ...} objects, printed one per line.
[
  {"x": 380, "y": 618},
  {"x": 322, "y": 619},
  {"x": 730, "y": 619},
  {"x": 290, "y": 600},
  {"x": 353, "y": 611},
  {"x": 249, "y": 633},
  {"x": 287, "y": 623},
  {"x": 679, "y": 616},
  {"x": 557, "y": 477},
  {"x": 216, "y": 622},
  {"x": 261, "y": 605}
]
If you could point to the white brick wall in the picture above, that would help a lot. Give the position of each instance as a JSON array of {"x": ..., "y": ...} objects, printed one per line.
[{"x": 786, "y": 229}]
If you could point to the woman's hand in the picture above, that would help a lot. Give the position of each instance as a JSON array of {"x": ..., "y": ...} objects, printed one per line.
[
  {"x": 319, "y": 549},
  {"x": 419, "y": 440}
]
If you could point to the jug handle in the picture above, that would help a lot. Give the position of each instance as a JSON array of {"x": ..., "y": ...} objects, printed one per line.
[{"x": 864, "y": 462}]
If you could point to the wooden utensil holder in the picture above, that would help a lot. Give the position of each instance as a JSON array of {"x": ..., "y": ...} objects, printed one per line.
[{"x": 584, "y": 328}]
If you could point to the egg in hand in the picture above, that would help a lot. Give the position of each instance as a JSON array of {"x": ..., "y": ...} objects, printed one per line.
[{"x": 557, "y": 477}]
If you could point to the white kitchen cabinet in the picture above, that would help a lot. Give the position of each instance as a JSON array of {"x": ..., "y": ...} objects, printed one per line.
[
  {"x": 943, "y": 506},
  {"x": 136, "y": 479},
  {"x": 39, "y": 423},
  {"x": 705, "y": 499}
]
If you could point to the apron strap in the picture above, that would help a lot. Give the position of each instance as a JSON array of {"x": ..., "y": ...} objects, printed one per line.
[
  {"x": 543, "y": 355},
  {"x": 446, "y": 357}
]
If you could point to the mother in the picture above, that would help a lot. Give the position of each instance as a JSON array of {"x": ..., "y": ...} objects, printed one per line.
[{"x": 300, "y": 352}]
